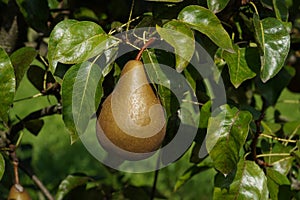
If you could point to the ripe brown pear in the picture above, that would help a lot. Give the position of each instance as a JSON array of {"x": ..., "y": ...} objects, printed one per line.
[
  {"x": 132, "y": 119},
  {"x": 17, "y": 192}
]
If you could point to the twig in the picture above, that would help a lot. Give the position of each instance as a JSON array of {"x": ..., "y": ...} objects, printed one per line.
[
  {"x": 50, "y": 110},
  {"x": 37, "y": 182},
  {"x": 255, "y": 141},
  {"x": 139, "y": 55}
]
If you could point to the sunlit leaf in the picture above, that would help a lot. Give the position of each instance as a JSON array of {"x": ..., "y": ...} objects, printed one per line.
[
  {"x": 206, "y": 22},
  {"x": 239, "y": 70},
  {"x": 181, "y": 37},
  {"x": 2, "y": 166},
  {"x": 73, "y": 42},
  {"x": 21, "y": 60},
  {"x": 217, "y": 5},
  {"x": 7, "y": 84},
  {"x": 226, "y": 134},
  {"x": 80, "y": 94},
  {"x": 70, "y": 183},
  {"x": 274, "y": 41},
  {"x": 249, "y": 182}
]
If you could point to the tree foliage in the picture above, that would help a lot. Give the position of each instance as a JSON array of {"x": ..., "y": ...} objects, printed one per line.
[{"x": 252, "y": 139}]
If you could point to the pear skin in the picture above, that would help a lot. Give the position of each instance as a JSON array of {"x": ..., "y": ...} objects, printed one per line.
[
  {"x": 132, "y": 119},
  {"x": 17, "y": 192}
]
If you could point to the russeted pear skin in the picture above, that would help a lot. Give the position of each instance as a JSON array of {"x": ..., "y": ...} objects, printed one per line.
[
  {"x": 17, "y": 192},
  {"x": 131, "y": 119}
]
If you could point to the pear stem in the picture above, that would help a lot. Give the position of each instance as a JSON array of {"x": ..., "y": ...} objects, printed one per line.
[{"x": 139, "y": 55}]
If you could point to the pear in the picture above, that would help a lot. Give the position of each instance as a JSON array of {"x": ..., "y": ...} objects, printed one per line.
[
  {"x": 17, "y": 192},
  {"x": 132, "y": 119}
]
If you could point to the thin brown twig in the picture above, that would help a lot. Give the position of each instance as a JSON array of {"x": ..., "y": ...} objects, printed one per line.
[
  {"x": 255, "y": 141},
  {"x": 37, "y": 182}
]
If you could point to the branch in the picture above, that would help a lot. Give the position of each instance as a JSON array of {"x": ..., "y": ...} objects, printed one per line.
[
  {"x": 50, "y": 110},
  {"x": 37, "y": 181},
  {"x": 255, "y": 141}
]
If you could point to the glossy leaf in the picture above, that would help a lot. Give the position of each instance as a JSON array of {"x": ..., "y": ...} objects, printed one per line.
[
  {"x": 70, "y": 183},
  {"x": 206, "y": 22},
  {"x": 7, "y": 84},
  {"x": 239, "y": 70},
  {"x": 181, "y": 37},
  {"x": 2, "y": 166},
  {"x": 73, "y": 42},
  {"x": 249, "y": 182},
  {"x": 21, "y": 60},
  {"x": 217, "y": 5},
  {"x": 36, "y": 13},
  {"x": 226, "y": 134},
  {"x": 274, "y": 41},
  {"x": 80, "y": 94}
]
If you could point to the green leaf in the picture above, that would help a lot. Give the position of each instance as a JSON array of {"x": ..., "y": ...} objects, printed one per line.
[
  {"x": 288, "y": 105},
  {"x": 2, "y": 166},
  {"x": 36, "y": 76},
  {"x": 239, "y": 70},
  {"x": 226, "y": 134},
  {"x": 205, "y": 114},
  {"x": 21, "y": 60},
  {"x": 7, "y": 84},
  {"x": 270, "y": 128},
  {"x": 217, "y": 5},
  {"x": 273, "y": 88},
  {"x": 34, "y": 126},
  {"x": 73, "y": 42},
  {"x": 249, "y": 182},
  {"x": 36, "y": 13},
  {"x": 275, "y": 179},
  {"x": 181, "y": 37},
  {"x": 291, "y": 128},
  {"x": 281, "y": 10},
  {"x": 80, "y": 94},
  {"x": 192, "y": 171},
  {"x": 167, "y": 1},
  {"x": 157, "y": 75},
  {"x": 274, "y": 41},
  {"x": 206, "y": 22},
  {"x": 69, "y": 183}
]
